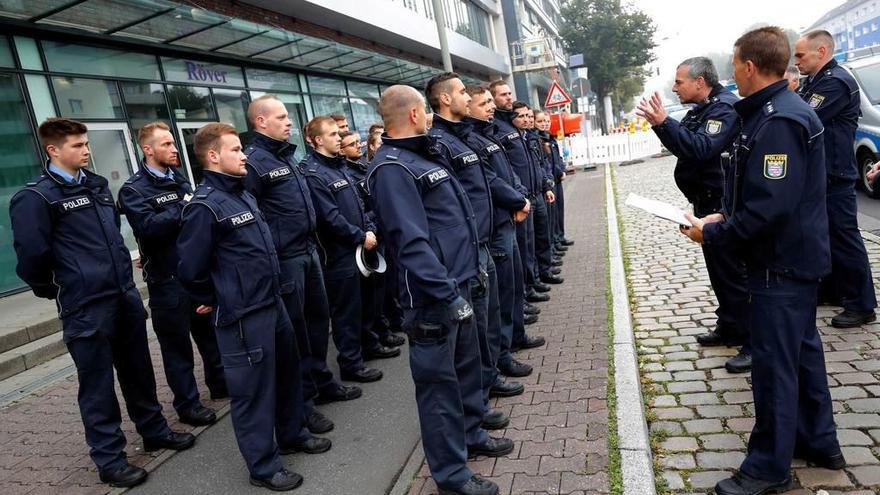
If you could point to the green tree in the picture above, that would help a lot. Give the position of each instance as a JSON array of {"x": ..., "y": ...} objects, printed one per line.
[{"x": 616, "y": 40}]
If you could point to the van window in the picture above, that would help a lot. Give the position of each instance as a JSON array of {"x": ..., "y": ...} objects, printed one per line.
[{"x": 869, "y": 82}]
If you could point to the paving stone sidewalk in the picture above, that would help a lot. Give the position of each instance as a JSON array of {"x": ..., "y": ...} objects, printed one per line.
[
  {"x": 703, "y": 414},
  {"x": 559, "y": 425}
]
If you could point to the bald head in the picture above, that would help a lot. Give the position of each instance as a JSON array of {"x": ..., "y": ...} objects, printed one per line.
[
  {"x": 403, "y": 110},
  {"x": 268, "y": 116},
  {"x": 813, "y": 51}
]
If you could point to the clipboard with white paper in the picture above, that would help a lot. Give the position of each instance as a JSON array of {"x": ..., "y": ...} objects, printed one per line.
[{"x": 659, "y": 209}]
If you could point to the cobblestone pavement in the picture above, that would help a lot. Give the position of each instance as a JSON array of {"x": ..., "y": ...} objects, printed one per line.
[
  {"x": 705, "y": 413},
  {"x": 559, "y": 425},
  {"x": 44, "y": 448}
]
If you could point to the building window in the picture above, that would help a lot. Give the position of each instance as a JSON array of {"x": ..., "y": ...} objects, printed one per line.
[
  {"x": 80, "y": 98},
  {"x": 329, "y": 97},
  {"x": 191, "y": 103},
  {"x": 91, "y": 60},
  {"x": 144, "y": 103},
  {"x": 76, "y": 106},
  {"x": 467, "y": 19},
  {"x": 232, "y": 107},
  {"x": 364, "y": 100},
  {"x": 20, "y": 164}
]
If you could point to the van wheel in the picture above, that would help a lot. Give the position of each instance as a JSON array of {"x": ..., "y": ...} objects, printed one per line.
[{"x": 867, "y": 159}]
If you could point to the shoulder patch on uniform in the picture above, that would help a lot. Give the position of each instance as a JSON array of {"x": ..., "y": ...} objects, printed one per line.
[
  {"x": 775, "y": 166},
  {"x": 241, "y": 219},
  {"x": 249, "y": 150},
  {"x": 279, "y": 173},
  {"x": 816, "y": 100},
  {"x": 76, "y": 203},
  {"x": 166, "y": 198},
  {"x": 338, "y": 185},
  {"x": 713, "y": 126},
  {"x": 436, "y": 176}
]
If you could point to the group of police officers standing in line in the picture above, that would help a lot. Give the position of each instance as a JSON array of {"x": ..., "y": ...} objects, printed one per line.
[
  {"x": 772, "y": 181},
  {"x": 266, "y": 255}
]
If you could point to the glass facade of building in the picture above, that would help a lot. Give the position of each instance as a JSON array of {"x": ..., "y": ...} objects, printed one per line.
[{"x": 116, "y": 92}]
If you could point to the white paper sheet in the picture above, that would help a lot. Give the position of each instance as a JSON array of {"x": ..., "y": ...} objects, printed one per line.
[{"x": 660, "y": 209}]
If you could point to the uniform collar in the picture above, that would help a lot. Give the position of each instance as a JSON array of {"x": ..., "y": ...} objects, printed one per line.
[
  {"x": 224, "y": 182},
  {"x": 479, "y": 124},
  {"x": 545, "y": 135},
  {"x": 754, "y": 102},
  {"x": 333, "y": 162},
  {"x": 274, "y": 146},
  {"x": 459, "y": 129},
  {"x": 59, "y": 172},
  {"x": 420, "y": 143},
  {"x": 357, "y": 165},
  {"x": 505, "y": 115},
  {"x": 155, "y": 172}
]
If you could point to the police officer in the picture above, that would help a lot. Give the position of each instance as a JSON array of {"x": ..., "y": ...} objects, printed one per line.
[
  {"x": 283, "y": 196},
  {"x": 510, "y": 205},
  {"x": 834, "y": 95},
  {"x": 66, "y": 235},
  {"x": 231, "y": 269},
  {"x": 342, "y": 227},
  {"x": 699, "y": 140},
  {"x": 427, "y": 220},
  {"x": 374, "y": 289},
  {"x": 557, "y": 167},
  {"x": 779, "y": 221},
  {"x": 152, "y": 200},
  {"x": 448, "y": 98}
]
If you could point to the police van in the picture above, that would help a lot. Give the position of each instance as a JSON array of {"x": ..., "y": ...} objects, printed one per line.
[{"x": 865, "y": 67}]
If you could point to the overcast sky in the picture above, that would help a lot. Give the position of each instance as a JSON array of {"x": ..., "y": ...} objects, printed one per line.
[{"x": 687, "y": 28}]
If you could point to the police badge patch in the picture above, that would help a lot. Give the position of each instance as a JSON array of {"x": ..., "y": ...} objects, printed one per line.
[
  {"x": 713, "y": 126},
  {"x": 816, "y": 100},
  {"x": 775, "y": 166}
]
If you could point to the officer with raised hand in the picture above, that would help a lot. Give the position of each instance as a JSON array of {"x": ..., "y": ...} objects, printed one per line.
[
  {"x": 282, "y": 194},
  {"x": 373, "y": 287},
  {"x": 833, "y": 94},
  {"x": 152, "y": 200},
  {"x": 700, "y": 141},
  {"x": 510, "y": 206},
  {"x": 65, "y": 230},
  {"x": 779, "y": 221},
  {"x": 230, "y": 267},
  {"x": 342, "y": 227},
  {"x": 426, "y": 218},
  {"x": 448, "y": 98}
]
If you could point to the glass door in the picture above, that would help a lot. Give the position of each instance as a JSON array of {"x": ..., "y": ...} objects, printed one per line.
[
  {"x": 186, "y": 132},
  {"x": 113, "y": 157}
]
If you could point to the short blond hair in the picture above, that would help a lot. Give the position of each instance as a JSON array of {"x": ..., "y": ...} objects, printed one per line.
[
  {"x": 208, "y": 138},
  {"x": 146, "y": 132}
]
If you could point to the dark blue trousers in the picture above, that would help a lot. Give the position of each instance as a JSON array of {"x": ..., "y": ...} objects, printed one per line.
[
  {"x": 174, "y": 320},
  {"x": 352, "y": 327},
  {"x": 792, "y": 402},
  {"x": 850, "y": 281},
  {"x": 305, "y": 300},
  {"x": 509, "y": 272},
  {"x": 111, "y": 333},
  {"x": 525, "y": 240},
  {"x": 487, "y": 317},
  {"x": 727, "y": 274},
  {"x": 560, "y": 212},
  {"x": 445, "y": 363},
  {"x": 543, "y": 252},
  {"x": 260, "y": 357}
]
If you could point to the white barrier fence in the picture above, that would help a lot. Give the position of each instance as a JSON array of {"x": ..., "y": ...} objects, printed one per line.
[{"x": 611, "y": 148}]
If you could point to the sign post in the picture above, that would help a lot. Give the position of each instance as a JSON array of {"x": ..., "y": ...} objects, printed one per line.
[{"x": 557, "y": 97}]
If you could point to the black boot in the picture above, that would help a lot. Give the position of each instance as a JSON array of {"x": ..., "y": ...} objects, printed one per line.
[
  {"x": 126, "y": 476},
  {"x": 494, "y": 447},
  {"x": 475, "y": 486},
  {"x": 741, "y": 363},
  {"x": 743, "y": 484},
  {"x": 851, "y": 319},
  {"x": 282, "y": 481}
]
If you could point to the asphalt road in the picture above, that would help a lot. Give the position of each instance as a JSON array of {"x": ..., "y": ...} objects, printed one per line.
[{"x": 372, "y": 441}]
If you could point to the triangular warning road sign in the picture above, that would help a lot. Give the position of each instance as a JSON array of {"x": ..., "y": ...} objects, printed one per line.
[{"x": 557, "y": 96}]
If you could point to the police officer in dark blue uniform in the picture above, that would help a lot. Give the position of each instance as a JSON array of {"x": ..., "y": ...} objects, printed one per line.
[
  {"x": 833, "y": 94},
  {"x": 556, "y": 167},
  {"x": 342, "y": 227},
  {"x": 374, "y": 288},
  {"x": 283, "y": 196},
  {"x": 699, "y": 141},
  {"x": 152, "y": 200},
  {"x": 230, "y": 267},
  {"x": 449, "y": 99},
  {"x": 780, "y": 223},
  {"x": 66, "y": 235},
  {"x": 427, "y": 220},
  {"x": 510, "y": 205}
]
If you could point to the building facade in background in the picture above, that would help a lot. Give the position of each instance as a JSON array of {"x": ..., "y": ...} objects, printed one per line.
[
  {"x": 117, "y": 64},
  {"x": 855, "y": 24},
  {"x": 537, "y": 55}
]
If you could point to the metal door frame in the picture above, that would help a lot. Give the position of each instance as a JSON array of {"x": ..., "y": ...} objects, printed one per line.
[{"x": 181, "y": 144}]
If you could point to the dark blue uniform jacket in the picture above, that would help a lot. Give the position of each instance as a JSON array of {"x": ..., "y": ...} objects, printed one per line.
[
  {"x": 153, "y": 206},
  {"x": 229, "y": 259},
  {"x": 518, "y": 152},
  {"x": 426, "y": 219},
  {"x": 467, "y": 166},
  {"x": 508, "y": 193},
  {"x": 557, "y": 166},
  {"x": 779, "y": 217},
  {"x": 67, "y": 240},
  {"x": 282, "y": 194},
  {"x": 834, "y": 95},
  {"x": 342, "y": 221},
  {"x": 540, "y": 159},
  {"x": 698, "y": 140}
]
